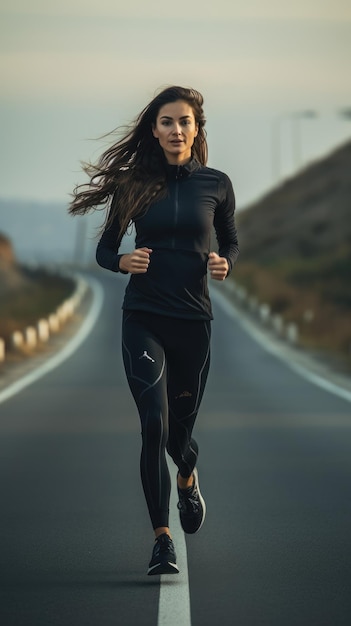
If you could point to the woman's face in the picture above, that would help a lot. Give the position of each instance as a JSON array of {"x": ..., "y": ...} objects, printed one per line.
[{"x": 176, "y": 130}]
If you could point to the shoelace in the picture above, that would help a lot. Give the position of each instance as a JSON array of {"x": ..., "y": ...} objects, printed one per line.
[
  {"x": 189, "y": 504},
  {"x": 162, "y": 546}
]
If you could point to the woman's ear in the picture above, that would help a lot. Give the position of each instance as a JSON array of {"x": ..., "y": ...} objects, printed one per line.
[{"x": 154, "y": 131}]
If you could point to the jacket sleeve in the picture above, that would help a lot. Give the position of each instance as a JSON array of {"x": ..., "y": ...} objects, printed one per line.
[
  {"x": 107, "y": 249},
  {"x": 224, "y": 223}
]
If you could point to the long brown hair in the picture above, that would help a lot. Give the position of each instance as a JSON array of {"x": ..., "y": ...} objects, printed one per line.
[{"x": 132, "y": 170}]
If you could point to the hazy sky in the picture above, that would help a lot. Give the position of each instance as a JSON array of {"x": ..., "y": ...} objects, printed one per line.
[{"x": 72, "y": 70}]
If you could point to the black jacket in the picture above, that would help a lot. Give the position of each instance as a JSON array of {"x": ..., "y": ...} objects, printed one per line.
[{"x": 178, "y": 230}]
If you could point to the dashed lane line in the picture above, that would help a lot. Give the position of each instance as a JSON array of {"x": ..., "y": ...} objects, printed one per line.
[{"x": 174, "y": 600}]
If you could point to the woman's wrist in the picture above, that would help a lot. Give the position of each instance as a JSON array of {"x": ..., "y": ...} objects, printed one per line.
[{"x": 122, "y": 264}]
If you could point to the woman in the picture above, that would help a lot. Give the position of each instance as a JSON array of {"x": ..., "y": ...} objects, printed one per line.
[{"x": 156, "y": 177}]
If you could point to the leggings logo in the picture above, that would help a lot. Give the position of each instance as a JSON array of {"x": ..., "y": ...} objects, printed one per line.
[{"x": 146, "y": 356}]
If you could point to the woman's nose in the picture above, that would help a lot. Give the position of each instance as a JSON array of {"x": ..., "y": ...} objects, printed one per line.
[{"x": 177, "y": 129}]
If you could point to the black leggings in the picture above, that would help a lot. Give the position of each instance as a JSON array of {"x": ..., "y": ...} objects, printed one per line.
[{"x": 166, "y": 362}]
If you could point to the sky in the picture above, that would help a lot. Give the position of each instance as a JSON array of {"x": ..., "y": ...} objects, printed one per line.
[{"x": 73, "y": 70}]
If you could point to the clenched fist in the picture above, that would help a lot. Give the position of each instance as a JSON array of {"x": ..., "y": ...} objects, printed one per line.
[
  {"x": 137, "y": 262},
  {"x": 218, "y": 266}
]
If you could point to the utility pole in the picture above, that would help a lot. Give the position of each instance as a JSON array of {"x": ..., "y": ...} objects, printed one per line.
[
  {"x": 79, "y": 248},
  {"x": 276, "y": 149}
]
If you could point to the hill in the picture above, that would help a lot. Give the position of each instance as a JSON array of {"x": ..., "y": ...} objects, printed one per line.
[
  {"x": 11, "y": 277},
  {"x": 307, "y": 215},
  {"x": 296, "y": 251},
  {"x": 26, "y": 294}
]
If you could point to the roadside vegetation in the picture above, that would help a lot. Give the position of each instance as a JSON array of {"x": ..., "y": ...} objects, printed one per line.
[
  {"x": 296, "y": 253},
  {"x": 26, "y": 295}
]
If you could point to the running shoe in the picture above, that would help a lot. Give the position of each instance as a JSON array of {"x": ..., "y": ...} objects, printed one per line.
[
  {"x": 163, "y": 560},
  {"x": 192, "y": 507}
]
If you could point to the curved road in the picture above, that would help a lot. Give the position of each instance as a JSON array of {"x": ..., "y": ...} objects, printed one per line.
[{"x": 275, "y": 469}]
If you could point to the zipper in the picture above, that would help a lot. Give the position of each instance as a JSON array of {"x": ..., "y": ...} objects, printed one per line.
[{"x": 176, "y": 204}]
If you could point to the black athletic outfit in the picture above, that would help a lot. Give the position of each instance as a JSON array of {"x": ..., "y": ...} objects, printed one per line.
[{"x": 166, "y": 320}]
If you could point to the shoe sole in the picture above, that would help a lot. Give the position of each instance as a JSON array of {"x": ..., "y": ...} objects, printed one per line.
[
  {"x": 203, "y": 504},
  {"x": 163, "y": 568}
]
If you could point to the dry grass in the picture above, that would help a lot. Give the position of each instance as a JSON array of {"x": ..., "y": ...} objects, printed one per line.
[
  {"x": 318, "y": 306},
  {"x": 39, "y": 296},
  {"x": 296, "y": 252}
]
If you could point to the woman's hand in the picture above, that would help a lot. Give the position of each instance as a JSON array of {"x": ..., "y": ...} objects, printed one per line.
[
  {"x": 136, "y": 262},
  {"x": 218, "y": 266}
]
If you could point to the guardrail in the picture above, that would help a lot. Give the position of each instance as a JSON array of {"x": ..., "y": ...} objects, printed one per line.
[
  {"x": 262, "y": 312},
  {"x": 32, "y": 337}
]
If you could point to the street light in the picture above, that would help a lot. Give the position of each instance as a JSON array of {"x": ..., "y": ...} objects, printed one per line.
[
  {"x": 296, "y": 140},
  {"x": 276, "y": 148},
  {"x": 296, "y": 133}
]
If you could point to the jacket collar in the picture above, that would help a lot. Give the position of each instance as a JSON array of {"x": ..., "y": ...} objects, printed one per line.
[{"x": 182, "y": 171}]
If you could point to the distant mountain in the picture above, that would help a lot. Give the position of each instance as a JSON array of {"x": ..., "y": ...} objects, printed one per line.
[{"x": 44, "y": 232}]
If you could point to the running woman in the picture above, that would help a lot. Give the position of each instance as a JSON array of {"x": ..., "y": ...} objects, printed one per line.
[{"x": 156, "y": 177}]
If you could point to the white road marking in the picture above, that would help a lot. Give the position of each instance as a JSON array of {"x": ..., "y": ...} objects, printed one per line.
[
  {"x": 67, "y": 350},
  {"x": 174, "y": 601},
  {"x": 278, "y": 351}
]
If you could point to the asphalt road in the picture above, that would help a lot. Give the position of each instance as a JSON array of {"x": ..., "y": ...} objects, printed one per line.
[{"x": 275, "y": 469}]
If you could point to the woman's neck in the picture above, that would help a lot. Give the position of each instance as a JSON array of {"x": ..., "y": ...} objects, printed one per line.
[{"x": 176, "y": 161}]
